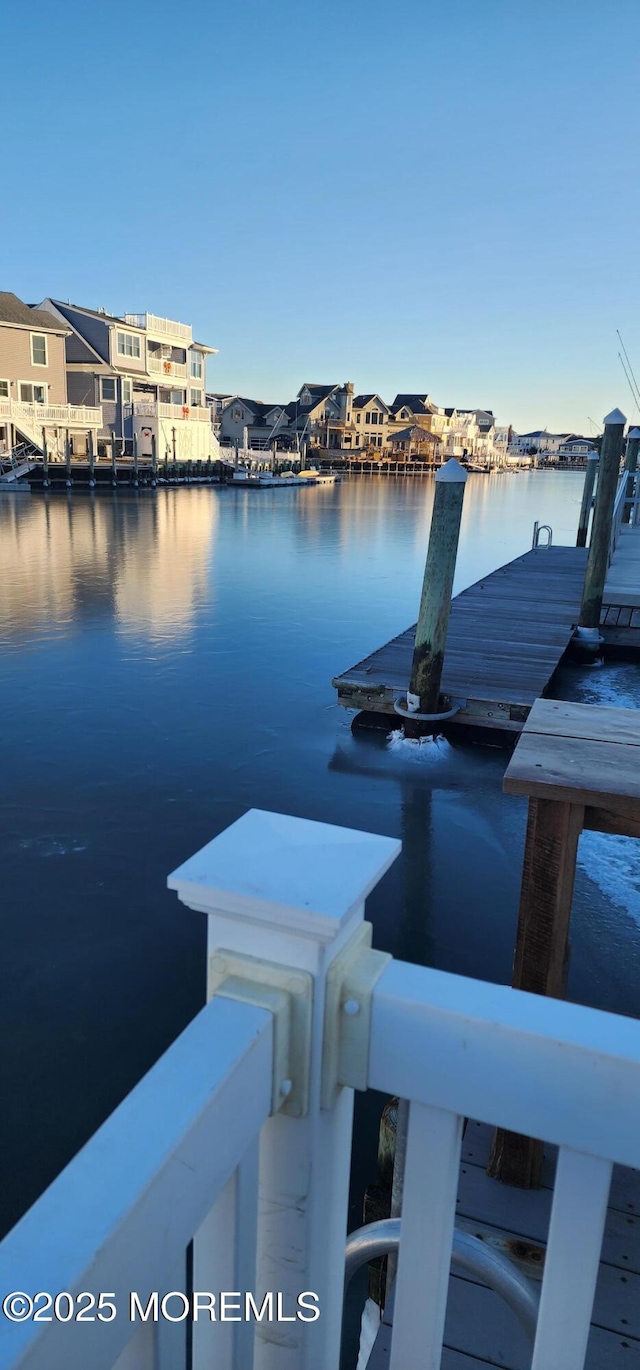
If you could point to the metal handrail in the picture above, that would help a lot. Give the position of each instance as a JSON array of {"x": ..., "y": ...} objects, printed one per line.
[
  {"x": 469, "y": 1253},
  {"x": 539, "y": 528}
]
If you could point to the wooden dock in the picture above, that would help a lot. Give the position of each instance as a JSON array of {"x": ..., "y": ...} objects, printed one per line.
[
  {"x": 481, "y": 1330},
  {"x": 507, "y": 634}
]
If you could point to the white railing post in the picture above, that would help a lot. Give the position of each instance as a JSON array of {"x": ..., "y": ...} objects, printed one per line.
[{"x": 292, "y": 892}]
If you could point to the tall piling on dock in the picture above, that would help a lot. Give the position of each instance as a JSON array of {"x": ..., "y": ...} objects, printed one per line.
[
  {"x": 598, "y": 560},
  {"x": 587, "y": 499},
  {"x": 423, "y": 695},
  {"x": 631, "y": 465}
]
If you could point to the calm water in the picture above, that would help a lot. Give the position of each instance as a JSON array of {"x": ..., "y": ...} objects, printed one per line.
[{"x": 166, "y": 664}]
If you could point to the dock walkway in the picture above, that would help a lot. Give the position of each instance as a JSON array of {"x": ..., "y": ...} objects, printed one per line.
[{"x": 507, "y": 634}]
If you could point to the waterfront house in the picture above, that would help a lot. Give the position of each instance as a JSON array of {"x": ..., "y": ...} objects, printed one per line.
[
  {"x": 148, "y": 375},
  {"x": 370, "y": 417},
  {"x": 537, "y": 443},
  {"x": 322, "y": 416},
  {"x": 34, "y": 407},
  {"x": 575, "y": 450},
  {"x": 246, "y": 423}
]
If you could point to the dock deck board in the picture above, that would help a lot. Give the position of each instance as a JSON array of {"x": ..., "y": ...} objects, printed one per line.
[{"x": 507, "y": 634}]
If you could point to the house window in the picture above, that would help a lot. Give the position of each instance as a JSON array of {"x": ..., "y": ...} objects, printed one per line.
[
  {"x": 4, "y": 390},
  {"x": 196, "y": 399},
  {"x": 177, "y": 397},
  {"x": 38, "y": 349},
  {"x": 107, "y": 388},
  {"x": 236, "y": 414},
  {"x": 32, "y": 394},
  {"x": 196, "y": 365},
  {"x": 128, "y": 345},
  {"x": 126, "y": 391},
  {"x": 368, "y": 418},
  {"x": 358, "y": 417}
]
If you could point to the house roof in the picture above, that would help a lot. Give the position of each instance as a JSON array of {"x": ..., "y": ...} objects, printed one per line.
[
  {"x": 95, "y": 314},
  {"x": 14, "y": 311},
  {"x": 361, "y": 400},
  {"x": 319, "y": 392},
  {"x": 415, "y": 434},
  {"x": 416, "y": 403}
]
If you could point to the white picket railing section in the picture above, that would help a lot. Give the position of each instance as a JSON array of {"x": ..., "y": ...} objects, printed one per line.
[
  {"x": 627, "y": 498},
  {"x": 153, "y": 323},
  {"x": 181, "y": 1157}
]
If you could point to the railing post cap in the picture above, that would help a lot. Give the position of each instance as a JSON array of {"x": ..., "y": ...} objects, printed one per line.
[
  {"x": 634, "y": 433},
  {"x": 269, "y": 868},
  {"x": 616, "y": 416},
  {"x": 452, "y": 471}
]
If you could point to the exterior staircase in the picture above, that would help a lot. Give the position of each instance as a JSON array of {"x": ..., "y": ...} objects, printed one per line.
[{"x": 19, "y": 462}]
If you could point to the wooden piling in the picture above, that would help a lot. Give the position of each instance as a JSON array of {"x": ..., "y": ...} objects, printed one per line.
[
  {"x": 154, "y": 456},
  {"x": 45, "y": 454},
  {"x": 114, "y": 467},
  {"x": 587, "y": 499},
  {"x": 423, "y": 695},
  {"x": 91, "y": 455},
  {"x": 135, "y": 456},
  {"x": 67, "y": 454},
  {"x": 598, "y": 560},
  {"x": 631, "y": 465}
]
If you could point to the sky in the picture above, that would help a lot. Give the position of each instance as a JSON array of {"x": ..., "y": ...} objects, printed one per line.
[{"x": 425, "y": 195}]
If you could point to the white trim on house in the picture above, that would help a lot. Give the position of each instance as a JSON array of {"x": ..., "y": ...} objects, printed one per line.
[
  {"x": 43, "y": 336},
  {"x": 32, "y": 386}
]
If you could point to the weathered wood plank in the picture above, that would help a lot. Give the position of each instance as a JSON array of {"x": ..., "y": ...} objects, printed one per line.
[
  {"x": 575, "y": 770},
  {"x": 598, "y": 723}
]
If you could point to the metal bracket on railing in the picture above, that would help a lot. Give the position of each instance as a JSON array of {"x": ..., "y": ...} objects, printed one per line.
[
  {"x": 288, "y": 995},
  {"x": 347, "y": 1015}
]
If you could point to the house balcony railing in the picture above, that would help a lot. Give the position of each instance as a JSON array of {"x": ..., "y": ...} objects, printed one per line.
[
  {"x": 165, "y": 367},
  {"x": 64, "y": 415},
  {"x": 301, "y": 1013},
  {"x": 153, "y": 323},
  {"x": 154, "y": 409}
]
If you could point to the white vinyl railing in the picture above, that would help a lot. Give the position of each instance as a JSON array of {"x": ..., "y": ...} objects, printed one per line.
[
  {"x": 64, "y": 415},
  {"x": 153, "y": 323},
  {"x": 165, "y": 366},
  {"x": 627, "y": 499},
  {"x": 261, "y": 1083},
  {"x": 150, "y": 409}
]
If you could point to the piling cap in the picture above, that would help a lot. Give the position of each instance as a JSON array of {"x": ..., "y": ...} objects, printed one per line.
[
  {"x": 634, "y": 434},
  {"x": 452, "y": 471},
  {"x": 616, "y": 416}
]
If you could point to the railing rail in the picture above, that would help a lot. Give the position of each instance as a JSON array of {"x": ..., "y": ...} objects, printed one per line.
[
  {"x": 166, "y": 367},
  {"x": 284, "y": 899},
  {"x": 64, "y": 415},
  {"x": 120, "y": 1217},
  {"x": 150, "y": 409},
  {"x": 153, "y": 323}
]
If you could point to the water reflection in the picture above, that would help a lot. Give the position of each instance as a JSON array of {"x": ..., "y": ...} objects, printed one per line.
[{"x": 141, "y": 561}]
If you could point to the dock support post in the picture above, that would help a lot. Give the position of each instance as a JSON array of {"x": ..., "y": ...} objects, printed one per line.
[
  {"x": 135, "y": 456},
  {"x": 587, "y": 499},
  {"x": 114, "y": 468},
  {"x": 45, "y": 456},
  {"x": 631, "y": 465},
  {"x": 154, "y": 456},
  {"x": 67, "y": 454},
  {"x": 598, "y": 561},
  {"x": 91, "y": 456},
  {"x": 542, "y": 948},
  {"x": 423, "y": 695}
]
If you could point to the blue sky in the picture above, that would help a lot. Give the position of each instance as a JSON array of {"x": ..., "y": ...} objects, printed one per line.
[{"x": 412, "y": 196}]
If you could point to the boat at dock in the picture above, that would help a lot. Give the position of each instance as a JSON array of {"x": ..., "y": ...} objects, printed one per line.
[{"x": 262, "y": 479}]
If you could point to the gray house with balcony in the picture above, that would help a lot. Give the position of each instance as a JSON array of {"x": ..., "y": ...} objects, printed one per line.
[{"x": 146, "y": 372}]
